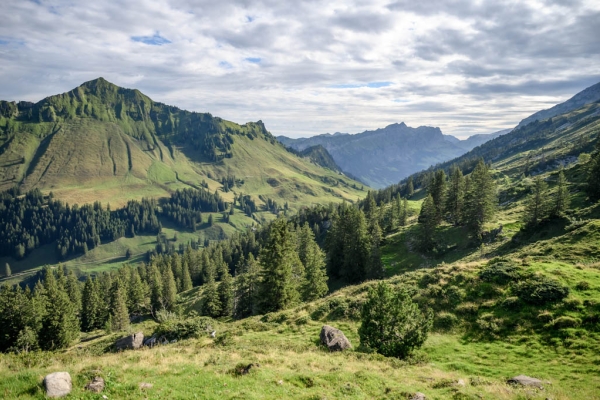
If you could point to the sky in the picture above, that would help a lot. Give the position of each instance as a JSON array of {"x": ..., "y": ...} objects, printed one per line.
[{"x": 311, "y": 67}]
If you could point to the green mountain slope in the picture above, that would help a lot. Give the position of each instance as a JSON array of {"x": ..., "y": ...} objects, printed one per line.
[{"x": 103, "y": 142}]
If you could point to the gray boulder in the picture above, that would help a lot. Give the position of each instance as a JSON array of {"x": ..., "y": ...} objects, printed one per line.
[
  {"x": 418, "y": 396},
  {"x": 334, "y": 339},
  {"x": 134, "y": 342},
  {"x": 96, "y": 385},
  {"x": 58, "y": 384},
  {"x": 524, "y": 380}
]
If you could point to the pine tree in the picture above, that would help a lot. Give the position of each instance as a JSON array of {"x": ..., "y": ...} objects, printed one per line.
[
  {"x": 562, "y": 200},
  {"x": 410, "y": 189},
  {"x": 404, "y": 213},
  {"x": 137, "y": 298},
  {"x": 536, "y": 206},
  {"x": 246, "y": 288},
  {"x": 438, "y": 193},
  {"x": 428, "y": 222},
  {"x": 225, "y": 290},
  {"x": 156, "y": 288},
  {"x": 211, "y": 305},
  {"x": 279, "y": 260},
  {"x": 313, "y": 259},
  {"x": 119, "y": 315},
  {"x": 60, "y": 326},
  {"x": 7, "y": 271},
  {"x": 91, "y": 314},
  {"x": 375, "y": 268},
  {"x": 480, "y": 199},
  {"x": 456, "y": 195},
  {"x": 73, "y": 289},
  {"x": 593, "y": 181},
  {"x": 186, "y": 280}
]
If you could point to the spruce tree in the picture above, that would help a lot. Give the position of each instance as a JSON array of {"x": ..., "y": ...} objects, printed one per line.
[
  {"x": 73, "y": 288},
  {"x": 561, "y": 202},
  {"x": 279, "y": 259},
  {"x": 480, "y": 199},
  {"x": 404, "y": 213},
  {"x": 456, "y": 195},
  {"x": 91, "y": 313},
  {"x": 138, "y": 297},
  {"x": 410, "y": 188},
  {"x": 246, "y": 288},
  {"x": 375, "y": 268},
  {"x": 438, "y": 193},
  {"x": 428, "y": 222},
  {"x": 7, "y": 271},
  {"x": 169, "y": 288},
  {"x": 211, "y": 304},
  {"x": 156, "y": 288},
  {"x": 60, "y": 326},
  {"x": 537, "y": 206},
  {"x": 225, "y": 290},
  {"x": 186, "y": 280},
  {"x": 119, "y": 315},
  {"x": 313, "y": 259},
  {"x": 593, "y": 180}
]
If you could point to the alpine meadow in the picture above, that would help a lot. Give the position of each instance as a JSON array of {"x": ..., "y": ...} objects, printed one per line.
[{"x": 451, "y": 250}]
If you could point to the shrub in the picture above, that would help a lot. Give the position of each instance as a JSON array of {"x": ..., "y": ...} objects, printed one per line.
[
  {"x": 467, "y": 309},
  {"x": 566, "y": 322},
  {"x": 429, "y": 279},
  {"x": 541, "y": 290},
  {"x": 582, "y": 285},
  {"x": 453, "y": 294},
  {"x": 445, "y": 321},
  {"x": 511, "y": 303},
  {"x": 392, "y": 323},
  {"x": 545, "y": 316},
  {"x": 183, "y": 329},
  {"x": 501, "y": 273},
  {"x": 573, "y": 304},
  {"x": 488, "y": 323}
]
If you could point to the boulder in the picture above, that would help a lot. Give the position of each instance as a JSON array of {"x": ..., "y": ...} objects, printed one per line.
[
  {"x": 334, "y": 339},
  {"x": 145, "y": 385},
  {"x": 96, "y": 385},
  {"x": 524, "y": 380},
  {"x": 58, "y": 384},
  {"x": 418, "y": 396},
  {"x": 134, "y": 342}
]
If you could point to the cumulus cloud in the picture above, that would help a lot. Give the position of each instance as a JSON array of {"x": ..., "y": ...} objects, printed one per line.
[{"x": 312, "y": 66}]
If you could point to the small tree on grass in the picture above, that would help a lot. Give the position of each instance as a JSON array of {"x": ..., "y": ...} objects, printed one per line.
[
  {"x": 392, "y": 323},
  {"x": 7, "y": 271}
]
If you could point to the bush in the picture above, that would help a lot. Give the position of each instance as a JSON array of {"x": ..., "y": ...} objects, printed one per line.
[
  {"x": 467, "y": 309},
  {"x": 566, "y": 322},
  {"x": 488, "y": 323},
  {"x": 445, "y": 321},
  {"x": 392, "y": 323},
  {"x": 501, "y": 273},
  {"x": 184, "y": 328},
  {"x": 511, "y": 303},
  {"x": 582, "y": 285},
  {"x": 545, "y": 316},
  {"x": 573, "y": 304},
  {"x": 540, "y": 290}
]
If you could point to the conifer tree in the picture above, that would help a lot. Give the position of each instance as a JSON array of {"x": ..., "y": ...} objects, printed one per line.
[
  {"x": 186, "y": 280},
  {"x": 428, "y": 222},
  {"x": 137, "y": 298},
  {"x": 246, "y": 288},
  {"x": 561, "y": 202},
  {"x": 593, "y": 181},
  {"x": 119, "y": 315},
  {"x": 375, "y": 268},
  {"x": 211, "y": 305},
  {"x": 91, "y": 313},
  {"x": 156, "y": 288},
  {"x": 60, "y": 326},
  {"x": 313, "y": 259},
  {"x": 225, "y": 290},
  {"x": 536, "y": 206},
  {"x": 456, "y": 195},
  {"x": 7, "y": 271},
  {"x": 404, "y": 213},
  {"x": 438, "y": 193},
  {"x": 279, "y": 259},
  {"x": 169, "y": 288},
  {"x": 73, "y": 289},
  {"x": 410, "y": 189},
  {"x": 480, "y": 199}
]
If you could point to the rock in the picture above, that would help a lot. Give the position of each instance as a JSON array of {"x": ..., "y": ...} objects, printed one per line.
[
  {"x": 460, "y": 382},
  {"x": 418, "y": 396},
  {"x": 245, "y": 369},
  {"x": 96, "y": 385},
  {"x": 145, "y": 385},
  {"x": 280, "y": 382},
  {"x": 150, "y": 342},
  {"x": 213, "y": 334},
  {"x": 58, "y": 384},
  {"x": 524, "y": 380},
  {"x": 334, "y": 339},
  {"x": 134, "y": 342}
]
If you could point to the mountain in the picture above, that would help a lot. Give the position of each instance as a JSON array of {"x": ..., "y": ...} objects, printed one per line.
[
  {"x": 383, "y": 156},
  {"x": 586, "y": 96},
  {"x": 320, "y": 156},
  {"x": 103, "y": 142}
]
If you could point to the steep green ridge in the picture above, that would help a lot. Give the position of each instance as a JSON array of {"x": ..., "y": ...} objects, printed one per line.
[{"x": 103, "y": 142}]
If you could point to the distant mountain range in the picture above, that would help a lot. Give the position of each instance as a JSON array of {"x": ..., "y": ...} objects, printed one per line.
[{"x": 384, "y": 156}]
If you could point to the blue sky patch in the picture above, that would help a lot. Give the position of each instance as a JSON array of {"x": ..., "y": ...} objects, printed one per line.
[
  {"x": 155, "y": 40},
  {"x": 225, "y": 65},
  {"x": 374, "y": 85},
  {"x": 254, "y": 60}
]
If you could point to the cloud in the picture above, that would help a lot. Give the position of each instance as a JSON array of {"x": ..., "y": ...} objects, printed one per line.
[{"x": 315, "y": 66}]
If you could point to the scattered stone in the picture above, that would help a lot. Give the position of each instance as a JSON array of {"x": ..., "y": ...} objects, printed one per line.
[
  {"x": 104, "y": 396},
  {"x": 418, "y": 396},
  {"x": 134, "y": 342},
  {"x": 96, "y": 385},
  {"x": 460, "y": 382},
  {"x": 173, "y": 341},
  {"x": 150, "y": 342},
  {"x": 213, "y": 334},
  {"x": 280, "y": 382},
  {"x": 334, "y": 339},
  {"x": 58, "y": 384},
  {"x": 524, "y": 380},
  {"x": 145, "y": 385}
]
